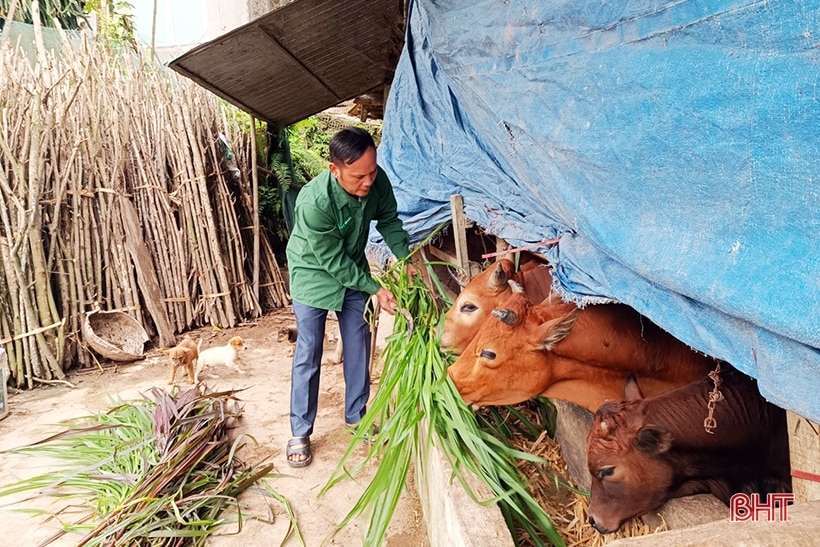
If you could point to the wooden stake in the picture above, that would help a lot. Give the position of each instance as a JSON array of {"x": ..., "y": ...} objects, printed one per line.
[
  {"x": 460, "y": 233},
  {"x": 255, "y": 209}
]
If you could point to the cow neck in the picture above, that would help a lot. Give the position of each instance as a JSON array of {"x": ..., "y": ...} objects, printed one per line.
[
  {"x": 742, "y": 409},
  {"x": 616, "y": 337},
  {"x": 583, "y": 384}
]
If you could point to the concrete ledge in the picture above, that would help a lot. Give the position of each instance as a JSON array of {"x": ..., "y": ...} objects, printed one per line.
[
  {"x": 799, "y": 530},
  {"x": 452, "y": 517}
]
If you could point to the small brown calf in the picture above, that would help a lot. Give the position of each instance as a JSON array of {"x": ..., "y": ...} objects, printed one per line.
[{"x": 643, "y": 452}]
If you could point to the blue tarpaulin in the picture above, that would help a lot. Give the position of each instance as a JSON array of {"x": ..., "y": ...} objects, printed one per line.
[{"x": 673, "y": 146}]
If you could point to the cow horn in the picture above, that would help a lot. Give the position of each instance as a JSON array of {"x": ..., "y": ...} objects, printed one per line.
[
  {"x": 604, "y": 426},
  {"x": 498, "y": 280},
  {"x": 507, "y": 316},
  {"x": 515, "y": 286}
]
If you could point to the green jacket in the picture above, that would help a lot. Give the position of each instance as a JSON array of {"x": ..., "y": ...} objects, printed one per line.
[{"x": 326, "y": 248}]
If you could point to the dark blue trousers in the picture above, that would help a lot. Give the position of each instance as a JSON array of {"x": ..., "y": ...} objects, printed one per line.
[{"x": 307, "y": 361}]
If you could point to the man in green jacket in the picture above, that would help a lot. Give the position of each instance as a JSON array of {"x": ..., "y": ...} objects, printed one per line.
[{"x": 329, "y": 271}]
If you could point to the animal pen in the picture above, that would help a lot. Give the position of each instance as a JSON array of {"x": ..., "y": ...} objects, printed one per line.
[{"x": 658, "y": 155}]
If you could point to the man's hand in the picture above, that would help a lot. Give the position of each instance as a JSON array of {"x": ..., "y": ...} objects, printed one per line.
[{"x": 387, "y": 301}]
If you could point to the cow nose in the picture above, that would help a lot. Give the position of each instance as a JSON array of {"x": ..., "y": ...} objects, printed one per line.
[{"x": 598, "y": 527}]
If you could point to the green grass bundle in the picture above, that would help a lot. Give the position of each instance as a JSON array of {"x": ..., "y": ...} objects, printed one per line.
[{"x": 416, "y": 402}]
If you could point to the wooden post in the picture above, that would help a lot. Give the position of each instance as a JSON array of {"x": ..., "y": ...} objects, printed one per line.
[
  {"x": 255, "y": 211},
  {"x": 804, "y": 452},
  {"x": 10, "y": 16},
  {"x": 146, "y": 274},
  {"x": 460, "y": 233},
  {"x": 419, "y": 260},
  {"x": 501, "y": 246},
  {"x": 153, "y": 31},
  {"x": 4, "y": 366}
]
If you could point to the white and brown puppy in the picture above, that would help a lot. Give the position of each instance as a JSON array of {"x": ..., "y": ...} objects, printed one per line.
[{"x": 227, "y": 355}]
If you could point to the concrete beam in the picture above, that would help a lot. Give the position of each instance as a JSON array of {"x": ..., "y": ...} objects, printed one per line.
[
  {"x": 452, "y": 517},
  {"x": 799, "y": 530}
]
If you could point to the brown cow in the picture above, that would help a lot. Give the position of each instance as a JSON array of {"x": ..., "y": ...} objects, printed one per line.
[
  {"x": 488, "y": 290},
  {"x": 643, "y": 452},
  {"x": 580, "y": 355}
]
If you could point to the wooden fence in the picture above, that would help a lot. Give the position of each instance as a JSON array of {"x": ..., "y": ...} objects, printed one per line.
[{"x": 122, "y": 186}]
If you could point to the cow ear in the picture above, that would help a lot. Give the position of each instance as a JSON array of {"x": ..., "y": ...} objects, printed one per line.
[
  {"x": 631, "y": 390},
  {"x": 498, "y": 280},
  {"x": 552, "y": 332},
  {"x": 653, "y": 439}
]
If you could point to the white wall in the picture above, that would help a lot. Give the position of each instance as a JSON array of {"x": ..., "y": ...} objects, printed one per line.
[{"x": 182, "y": 24}]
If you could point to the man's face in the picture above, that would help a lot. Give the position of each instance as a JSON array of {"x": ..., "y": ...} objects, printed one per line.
[{"x": 358, "y": 177}]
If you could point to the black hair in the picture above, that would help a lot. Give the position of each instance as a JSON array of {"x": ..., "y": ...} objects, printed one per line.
[{"x": 349, "y": 144}]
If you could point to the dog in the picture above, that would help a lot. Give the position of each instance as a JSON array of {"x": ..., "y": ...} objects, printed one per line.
[
  {"x": 184, "y": 354},
  {"x": 290, "y": 333},
  {"x": 227, "y": 355}
]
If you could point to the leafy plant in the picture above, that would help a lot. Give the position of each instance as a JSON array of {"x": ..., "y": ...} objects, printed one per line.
[
  {"x": 115, "y": 18},
  {"x": 306, "y": 154},
  {"x": 297, "y": 154},
  {"x": 309, "y": 139},
  {"x": 115, "y": 21},
  {"x": 156, "y": 473},
  {"x": 69, "y": 13}
]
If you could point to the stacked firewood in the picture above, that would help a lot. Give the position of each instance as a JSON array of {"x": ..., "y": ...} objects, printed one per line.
[{"x": 121, "y": 187}]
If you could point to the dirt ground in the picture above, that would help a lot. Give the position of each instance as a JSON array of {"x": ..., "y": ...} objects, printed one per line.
[{"x": 33, "y": 415}]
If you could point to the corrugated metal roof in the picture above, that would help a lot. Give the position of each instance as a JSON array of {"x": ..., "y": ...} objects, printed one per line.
[{"x": 302, "y": 58}]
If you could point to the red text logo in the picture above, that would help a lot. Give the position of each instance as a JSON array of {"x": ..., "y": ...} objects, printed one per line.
[{"x": 745, "y": 507}]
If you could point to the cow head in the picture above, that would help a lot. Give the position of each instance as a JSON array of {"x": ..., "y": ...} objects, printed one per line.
[
  {"x": 473, "y": 305},
  {"x": 508, "y": 360},
  {"x": 626, "y": 459}
]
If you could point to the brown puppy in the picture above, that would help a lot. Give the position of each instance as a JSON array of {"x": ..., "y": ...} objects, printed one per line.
[
  {"x": 184, "y": 354},
  {"x": 288, "y": 333}
]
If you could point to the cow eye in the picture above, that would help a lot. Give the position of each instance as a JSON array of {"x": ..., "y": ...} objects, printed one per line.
[
  {"x": 469, "y": 308},
  {"x": 487, "y": 354},
  {"x": 605, "y": 472}
]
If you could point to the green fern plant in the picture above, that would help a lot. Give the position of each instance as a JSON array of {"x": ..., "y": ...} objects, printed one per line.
[{"x": 69, "y": 13}]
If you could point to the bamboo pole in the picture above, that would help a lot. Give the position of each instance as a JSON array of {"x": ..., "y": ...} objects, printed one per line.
[
  {"x": 153, "y": 30},
  {"x": 255, "y": 209},
  {"x": 10, "y": 17}
]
